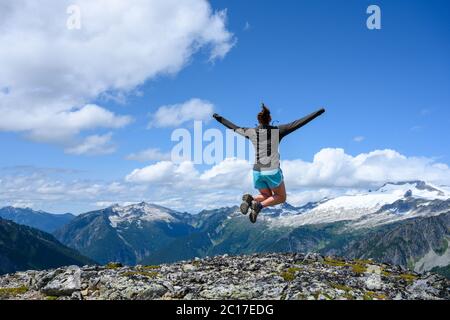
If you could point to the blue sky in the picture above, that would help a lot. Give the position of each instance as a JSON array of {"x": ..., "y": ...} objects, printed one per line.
[{"x": 390, "y": 87}]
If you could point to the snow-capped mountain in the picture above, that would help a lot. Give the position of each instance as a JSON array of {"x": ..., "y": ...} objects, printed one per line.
[
  {"x": 283, "y": 210},
  {"x": 402, "y": 223},
  {"x": 392, "y": 202},
  {"x": 137, "y": 213},
  {"x": 127, "y": 234}
]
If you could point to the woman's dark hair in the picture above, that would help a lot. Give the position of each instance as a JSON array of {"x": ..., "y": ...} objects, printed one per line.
[{"x": 264, "y": 117}]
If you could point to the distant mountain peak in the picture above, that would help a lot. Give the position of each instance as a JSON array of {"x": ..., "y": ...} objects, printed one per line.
[
  {"x": 411, "y": 198},
  {"x": 38, "y": 219},
  {"x": 417, "y": 188},
  {"x": 139, "y": 212},
  {"x": 144, "y": 207}
]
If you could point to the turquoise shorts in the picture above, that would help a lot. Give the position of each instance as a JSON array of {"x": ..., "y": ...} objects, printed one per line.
[{"x": 267, "y": 179}]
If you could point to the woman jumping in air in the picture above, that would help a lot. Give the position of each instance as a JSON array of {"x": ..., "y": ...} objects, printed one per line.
[{"x": 267, "y": 174}]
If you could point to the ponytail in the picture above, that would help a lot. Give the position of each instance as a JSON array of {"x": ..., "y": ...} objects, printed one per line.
[{"x": 264, "y": 117}]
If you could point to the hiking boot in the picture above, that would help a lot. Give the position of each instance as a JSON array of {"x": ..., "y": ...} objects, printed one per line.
[
  {"x": 256, "y": 208},
  {"x": 246, "y": 203}
]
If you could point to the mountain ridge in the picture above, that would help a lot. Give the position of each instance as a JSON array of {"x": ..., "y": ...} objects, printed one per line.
[
  {"x": 23, "y": 247},
  {"x": 38, "y": 219},
  {"x": 150, "y": 233},
  {"x": 123, "y": 234},
  {"x": 327, "y": 226}
]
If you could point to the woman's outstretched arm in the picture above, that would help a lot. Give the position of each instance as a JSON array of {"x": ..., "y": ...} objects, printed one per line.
[
  {"x": 288, "y": 128},
  {"x": 225, "y": 122},
  {"x": 230, "y": 125}
]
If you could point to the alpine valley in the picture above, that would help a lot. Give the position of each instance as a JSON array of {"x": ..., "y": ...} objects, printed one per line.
[{"x": 405, "y": 224}]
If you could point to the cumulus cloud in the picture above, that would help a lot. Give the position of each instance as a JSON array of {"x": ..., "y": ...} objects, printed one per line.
[
  {"x": 94, "y": 145},
  {"x": 331, "y": 173},
  {"x": 334, "y": 168},
  {"x": 50, "y": 73},
  {"x": 58, "y": 190},
  {"x": 177, "y": 114},
  {"x": 187, "y": 187},
  {"x": 151, "y": 154},
  {"x": 230, "y": 172}
]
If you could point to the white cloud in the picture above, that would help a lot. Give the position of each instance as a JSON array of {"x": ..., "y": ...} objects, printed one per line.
[
  {"x": 149, "y": 155},
  {"x": 50, "y": 74},
  {"x": 184, "y": 186},
  {"x": 22, "y": 204},
  {"x": 332, "y": 172},
  {"x": 159, "y": 173},
  {"x": 62, "y": 126},
  {"x": 359, "y": 139},
  {"x": 104, "y": 204},
  {"x": 177, "y": 114},
  {"x": 94, "y": 145},
  {"x": 228, "y": 173},
  {"x": 57, "y": 190},
  {"x": 333, "y": 168}
]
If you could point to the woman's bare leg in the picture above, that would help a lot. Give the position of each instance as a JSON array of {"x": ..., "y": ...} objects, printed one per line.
[
  {"x": 279, "y": 196},
  {"x": 264, "y": 194}
]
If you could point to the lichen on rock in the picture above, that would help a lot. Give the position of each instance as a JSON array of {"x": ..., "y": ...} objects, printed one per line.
[{"x": 290, "y": 276}]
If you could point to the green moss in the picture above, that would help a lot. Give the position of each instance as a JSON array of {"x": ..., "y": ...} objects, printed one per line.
[
  {"x": 363, "y": 262},
  {"x": 150, "y": 267},
  {"x": 51, "y": 298},
  {"x": 370, "y": 295},
  {"x": 12, "y": 292},
  {"x": 408, "y": 277},
  {"x": 341, "y": 287},
  {"x": 152, "y": 274},
  {"x": 349, "y": 296},
  {"x": 381, "y": 296},
  {"x": 359, "y": 268},
  {"x": 335, "y": 263},
  {"x": 113, "y": 265},
  {"x": 327, "y": 296},
  {"x": 367, "y": 296},
  {"x": 386, "y": 273},
  {"x": 289, "y": 274}
]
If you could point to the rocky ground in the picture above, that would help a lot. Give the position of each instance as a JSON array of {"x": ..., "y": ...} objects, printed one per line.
[{"x": 259, "y": 276}]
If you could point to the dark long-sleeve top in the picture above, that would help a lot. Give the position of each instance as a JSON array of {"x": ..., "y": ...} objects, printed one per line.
[{"x": 266, "y": 139}]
